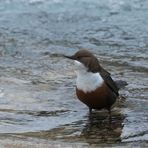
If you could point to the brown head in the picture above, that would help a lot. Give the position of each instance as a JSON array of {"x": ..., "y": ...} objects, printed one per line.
[{"x": 87, "y": 59}]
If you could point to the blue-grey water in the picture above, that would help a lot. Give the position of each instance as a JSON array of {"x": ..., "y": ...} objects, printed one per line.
[{"x": 37, "y": 96}]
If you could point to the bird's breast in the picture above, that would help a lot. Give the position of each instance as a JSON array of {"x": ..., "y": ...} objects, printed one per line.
[
  {"x": 88, "y": 81},
  {"x": 101, "y": 97},
  {"x": 95, "y": 99}
]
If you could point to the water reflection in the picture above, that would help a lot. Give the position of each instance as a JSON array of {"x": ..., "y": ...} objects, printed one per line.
[
  {"x": 91, "y": 129},
  {"x": 98, "y": 129}
]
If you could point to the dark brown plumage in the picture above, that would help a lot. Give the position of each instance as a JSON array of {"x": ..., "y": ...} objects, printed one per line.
[{"x": 102, "y": 97}]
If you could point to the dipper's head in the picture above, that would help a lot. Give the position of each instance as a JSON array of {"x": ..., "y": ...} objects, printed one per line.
[{"x": 85, "y": 61}]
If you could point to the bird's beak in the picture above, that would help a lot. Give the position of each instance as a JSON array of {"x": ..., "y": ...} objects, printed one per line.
[{"x": 69, "y": 57}]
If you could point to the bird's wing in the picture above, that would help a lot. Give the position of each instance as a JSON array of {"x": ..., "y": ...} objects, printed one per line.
[{"x": 109, "y": 81}]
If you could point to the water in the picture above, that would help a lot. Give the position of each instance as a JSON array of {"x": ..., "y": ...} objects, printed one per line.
[{"x": 37, "y": 96}]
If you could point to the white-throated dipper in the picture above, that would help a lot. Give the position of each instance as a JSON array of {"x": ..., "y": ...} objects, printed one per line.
[{"x": 94, "y": 85}]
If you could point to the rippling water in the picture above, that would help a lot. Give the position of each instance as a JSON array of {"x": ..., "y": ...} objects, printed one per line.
[{"x": 37, "y": 98}]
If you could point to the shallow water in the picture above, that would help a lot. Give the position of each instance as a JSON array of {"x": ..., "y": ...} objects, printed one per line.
[{"x": 37, "y": 96}]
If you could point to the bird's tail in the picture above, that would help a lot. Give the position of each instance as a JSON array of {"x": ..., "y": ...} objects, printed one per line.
[{"x": 121, "y": 84}]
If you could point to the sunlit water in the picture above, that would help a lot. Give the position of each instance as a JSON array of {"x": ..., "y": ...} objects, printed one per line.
[{"x": 37, "y": 95}]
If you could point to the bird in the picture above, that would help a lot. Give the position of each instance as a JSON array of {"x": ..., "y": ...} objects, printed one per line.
[{"x": 94, "y": 85}]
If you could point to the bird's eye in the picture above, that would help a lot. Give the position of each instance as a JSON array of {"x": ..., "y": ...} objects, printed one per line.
[{"x": 78, "y": 57}]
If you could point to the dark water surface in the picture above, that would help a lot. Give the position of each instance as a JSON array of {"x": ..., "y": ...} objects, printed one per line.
[{"x": 38, "y": 106}]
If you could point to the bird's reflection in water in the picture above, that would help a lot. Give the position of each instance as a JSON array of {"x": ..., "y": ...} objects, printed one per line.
[
  {"x": 99, "y": 130},
  {"x": 92, "y": 129}
]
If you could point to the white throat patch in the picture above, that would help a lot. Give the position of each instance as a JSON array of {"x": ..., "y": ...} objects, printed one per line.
[{"x": 87, "y": 81}]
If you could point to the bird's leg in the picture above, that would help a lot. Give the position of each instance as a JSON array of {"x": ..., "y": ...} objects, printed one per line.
[
  {"x": 90, "y": 110},
  {"x": 110, "y": 116}
]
